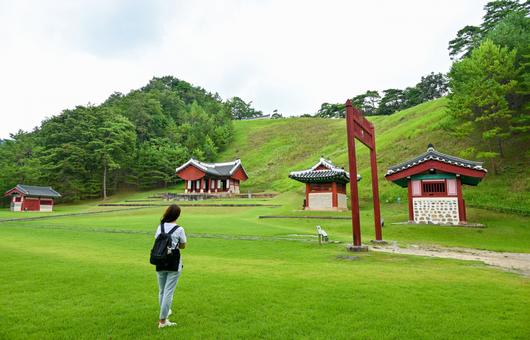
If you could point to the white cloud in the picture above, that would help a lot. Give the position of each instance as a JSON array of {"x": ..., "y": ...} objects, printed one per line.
[{"x": 285, "y": 55}]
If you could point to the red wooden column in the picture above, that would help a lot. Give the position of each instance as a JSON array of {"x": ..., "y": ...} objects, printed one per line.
[
  {"x": 354, "y": 191},
  {"x": 411, "y": 206},
  {"x": 375, "y": 189},
  {"x": 202, "y": 185},
  {"x": 334, "y": 199},
  {"x": 307, "y": 190},
  {"x": 461, "y": 206}
]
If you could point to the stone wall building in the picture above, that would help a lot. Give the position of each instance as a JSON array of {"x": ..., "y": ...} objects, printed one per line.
[
  {"x": 325, "y": 186},
  {"x": 434, "y": 181}
]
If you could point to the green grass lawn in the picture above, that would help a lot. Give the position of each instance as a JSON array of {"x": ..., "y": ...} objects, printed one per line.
[{"x": 88, "y": 276}]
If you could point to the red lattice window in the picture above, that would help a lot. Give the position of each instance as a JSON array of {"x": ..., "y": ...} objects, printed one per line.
[
  {"x": 18, "y": 199},
  {"x": 46, "y": 202},
  {"x": 434, "y": 188}
]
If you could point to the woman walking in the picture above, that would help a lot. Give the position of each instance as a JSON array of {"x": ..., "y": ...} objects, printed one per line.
[{"x": 169, "y": 273}]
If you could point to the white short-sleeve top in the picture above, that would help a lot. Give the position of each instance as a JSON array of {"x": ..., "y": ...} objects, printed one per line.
[{"x": 177, "y": 237}]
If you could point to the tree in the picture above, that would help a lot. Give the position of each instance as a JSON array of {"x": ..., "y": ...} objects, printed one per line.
[
  {"x": 19, "y": 162},
  {"x": 113, "y": 143},
  {"x": 198, "y": 131},
  {"x": 432, "y": 86},
  {"x": 411, "y": 96},
  {"x": 328, "y": 110},
  {"x": 239, "y": 109},
  {"x": 391, "y": 102},
  {"x": 276, "y": 115},
  {"x": 470, "y": 37},
  {"x": 367, "y": 102},
  {"x": 481, "y": 86},
  {"x": 496, "y": 11},
  {"x": 466, "y": 40},
  {"x": 513, "y": 32},
  {"x": 371, "y": 102},
  {"x": 156, "y": 162}
]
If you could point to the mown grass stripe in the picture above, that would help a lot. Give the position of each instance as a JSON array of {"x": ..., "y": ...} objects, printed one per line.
[
  {"x": 190, "y": 235},
  {"x": 309, "y": 217},
  {"x": 65, "y": 215},
  {"x": 189, "y": 205}
]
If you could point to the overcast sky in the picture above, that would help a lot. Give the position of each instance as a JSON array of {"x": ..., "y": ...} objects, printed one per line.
[{"x": 285, "y": 55}]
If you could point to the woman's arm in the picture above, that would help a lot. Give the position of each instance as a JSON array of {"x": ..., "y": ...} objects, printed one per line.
[{"x": 182, "y": 238}]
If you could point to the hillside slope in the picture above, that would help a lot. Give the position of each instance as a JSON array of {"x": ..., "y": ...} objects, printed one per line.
[{"x": 270, "y": 149}]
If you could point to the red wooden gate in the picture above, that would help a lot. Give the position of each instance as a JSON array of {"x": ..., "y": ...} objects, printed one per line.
[
  {"x": 31, "y": 204},
  {"x": 360, "y": 128}
]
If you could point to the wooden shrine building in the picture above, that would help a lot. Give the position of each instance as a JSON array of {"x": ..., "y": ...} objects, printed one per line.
[
  {"x": 32, "y": 198},
  {"x": 325, "y": 186},
  {"x": 201, "y": 177},
  {"x": 434, "y": 181}
]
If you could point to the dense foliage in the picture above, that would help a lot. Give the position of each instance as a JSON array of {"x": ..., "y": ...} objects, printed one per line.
[
  {"x": 470, "y": 37},
  {"x": 239, "y": 109},
  {"x": 490, "y": 84},
  {"x": 133, "y": 140},
  {"x": 372, "y": 103}
]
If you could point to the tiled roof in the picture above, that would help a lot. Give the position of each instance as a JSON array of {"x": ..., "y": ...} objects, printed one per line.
[
  {"x": 330, "y": 174},
  {"x": 32, "y": 190},
  {"x": 215, "y": 169},
  {"x": 432, "y": 154}
]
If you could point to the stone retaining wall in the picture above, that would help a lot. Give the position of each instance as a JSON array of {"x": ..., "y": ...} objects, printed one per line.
[{"x": 438, "y": 210}]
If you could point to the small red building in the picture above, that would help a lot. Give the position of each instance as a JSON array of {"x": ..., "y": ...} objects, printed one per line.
[
  {"x": 32, "y": 198},
  {"x": 434, "y": 181},
  {"x": 201, "y": 177},
  {"x": 325, "y": 186}
]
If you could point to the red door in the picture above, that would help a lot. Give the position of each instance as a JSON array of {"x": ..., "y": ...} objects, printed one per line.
[{"x": 31, "y": 204}]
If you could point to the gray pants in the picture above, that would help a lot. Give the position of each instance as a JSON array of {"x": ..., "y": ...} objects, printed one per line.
[{"x": 167, "y": 281}]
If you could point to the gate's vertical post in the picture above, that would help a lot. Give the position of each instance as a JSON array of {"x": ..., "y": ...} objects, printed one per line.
[
  {"x": 354, "y": 192},
  {"x": 375, "y": 189}
]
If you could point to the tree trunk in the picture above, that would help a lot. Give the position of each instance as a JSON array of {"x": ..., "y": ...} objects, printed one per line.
[
  {"x": 501, "y": 152},
  {"x": 105, "y": 181}
]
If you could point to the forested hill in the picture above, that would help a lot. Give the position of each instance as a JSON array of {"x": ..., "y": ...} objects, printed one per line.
[
  {"x": 270, "y": 149},
  {"x": 133, "y": 139}
]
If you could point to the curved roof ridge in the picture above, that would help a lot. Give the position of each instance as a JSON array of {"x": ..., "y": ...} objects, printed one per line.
[
  {"x": 35, "y": 190},
  {"x": 325, "y": 162},
  {"x": 222, "y": 169},
  {"x": 433, "y": 154},
  {"x": 330, "y": 174}
]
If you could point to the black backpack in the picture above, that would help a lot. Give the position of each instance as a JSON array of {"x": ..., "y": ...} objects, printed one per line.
[{"x": 162, "y": 253}]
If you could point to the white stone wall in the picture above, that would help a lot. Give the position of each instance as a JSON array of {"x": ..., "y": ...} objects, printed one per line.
[
  {"x": 46, "y": 208},
  {"x": 320, "y": 201},
  {"x": 438, "y": 210},
  {"x": 16, "y": 206},
  {"x": 342, "y": 201}
]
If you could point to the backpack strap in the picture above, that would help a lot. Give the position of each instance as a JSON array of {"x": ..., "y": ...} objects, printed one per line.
[
  {"x": 171, "y": 232},
  {"x": 162, "y": 227},
  {"x": 173, "y": 229}
]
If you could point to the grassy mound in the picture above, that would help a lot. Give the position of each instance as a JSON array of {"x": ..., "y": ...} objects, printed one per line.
[{"x": 270, "y": 149}]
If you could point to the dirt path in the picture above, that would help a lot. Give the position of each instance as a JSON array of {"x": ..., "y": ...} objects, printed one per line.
[{"x": 518, "y": 262}]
